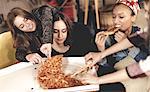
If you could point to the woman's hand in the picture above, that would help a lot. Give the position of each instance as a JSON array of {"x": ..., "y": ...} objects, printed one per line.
[
  {"x": 35, "y": 58},
  {"x": 93, "y": 57},
  {"x": 90, "y": 79},
  {"x": 120, "y": 36},
  {"x": 46, "y": 49},
  {"x": 100, "y": 40}
]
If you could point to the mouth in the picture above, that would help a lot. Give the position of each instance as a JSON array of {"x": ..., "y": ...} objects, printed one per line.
[
  {"x": 117, "y": 26},
  {"x": 59, "y": 39},
  {"x": 30, "y": 27}
]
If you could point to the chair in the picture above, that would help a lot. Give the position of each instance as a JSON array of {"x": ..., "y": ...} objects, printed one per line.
[
  {"x": 96, "y": 12},
  {"x": 7, "y": 51}
]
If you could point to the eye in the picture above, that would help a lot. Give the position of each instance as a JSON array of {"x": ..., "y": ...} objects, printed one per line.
[
  {"x": 64, "y": 30},
  {"x": 55, "y": 31},
  {"x": 121, "y": 17},
  {"x": 113, "y": 17},
  {"x": 21, "y": 26},
  {"x": 25, "y": 19}
]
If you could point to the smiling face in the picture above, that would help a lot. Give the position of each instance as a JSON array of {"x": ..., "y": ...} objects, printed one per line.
[
  {"x": 122, "y": 17},
  {"x": 60, "y": 32},
  {"x": 24, "y": 24}
]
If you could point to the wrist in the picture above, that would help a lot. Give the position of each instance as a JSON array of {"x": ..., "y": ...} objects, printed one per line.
[
  {"x": 102, "y": 54},
  {"x": 100, "y": 48},
  {"x": 99, "y": 80}
]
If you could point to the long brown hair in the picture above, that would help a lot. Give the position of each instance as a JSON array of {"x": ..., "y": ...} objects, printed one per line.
[
  {"x": 20, "y": 37},
  {"x": 60, "y": 16}
]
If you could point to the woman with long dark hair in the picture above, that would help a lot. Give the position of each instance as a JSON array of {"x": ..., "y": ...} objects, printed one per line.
[{"x": 32, "y": 32}]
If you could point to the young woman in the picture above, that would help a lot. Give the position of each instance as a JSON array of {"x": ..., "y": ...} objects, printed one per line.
[
  {"x": 123, "y": 17},
  {"x": 61, "y": 35},
  {"x": 65, "y": 34},
  {"x": 32, "y": 33},
  {"x": 132, "y": 71},
  {"x": 124, "y": 14}
]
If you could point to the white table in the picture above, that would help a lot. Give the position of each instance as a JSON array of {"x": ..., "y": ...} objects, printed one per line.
[{"x": 21, "y": 78}]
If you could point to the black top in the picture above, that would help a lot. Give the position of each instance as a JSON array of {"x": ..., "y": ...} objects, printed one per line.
[{"x": 66, "y": 54}]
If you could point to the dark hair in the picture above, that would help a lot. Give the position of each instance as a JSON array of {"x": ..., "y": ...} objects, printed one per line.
[
  {"x": 20, "y": 37},
  {"x": 60, "y": 16},
  {"x": 117, "y": 4}
]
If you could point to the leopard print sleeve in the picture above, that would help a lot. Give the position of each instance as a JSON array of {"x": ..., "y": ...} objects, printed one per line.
[{"x": 45, "y": 15}]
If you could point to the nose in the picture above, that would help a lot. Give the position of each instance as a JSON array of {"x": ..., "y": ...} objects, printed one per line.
[
  {"x": 59, "y": 34},
  {"x": 27, "y": 24},
  {"x": 115, "y": 21}
]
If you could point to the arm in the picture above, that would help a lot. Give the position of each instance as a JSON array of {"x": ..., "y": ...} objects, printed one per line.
[
  {"x": 45, "y": 15},
  {"x": 132, "y": 71},
  {"x": 118, "y": 76},
  {"x": 125, "y": 43},
  {"x": 96, "y": 56},
  {"x": 135, "y": 70},
  {"x": 21, "y": 53},
  {"x": 46, "y": 21}
]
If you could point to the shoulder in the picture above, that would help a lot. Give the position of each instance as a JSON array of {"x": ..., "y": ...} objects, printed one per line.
[{"x": 43, "y": 10}]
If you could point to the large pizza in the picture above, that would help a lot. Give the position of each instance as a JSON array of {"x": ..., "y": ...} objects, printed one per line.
[{"x": 50, "y": 75}]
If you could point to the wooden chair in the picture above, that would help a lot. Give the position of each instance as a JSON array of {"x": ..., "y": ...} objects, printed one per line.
[{"x": 96, "y": 12}]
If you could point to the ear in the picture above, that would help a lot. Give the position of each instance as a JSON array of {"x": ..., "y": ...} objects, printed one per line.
[{"x": 133, "y": 18}]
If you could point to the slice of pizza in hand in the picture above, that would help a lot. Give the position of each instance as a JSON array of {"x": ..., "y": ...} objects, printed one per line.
[{"x": 111, "y": 31}]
